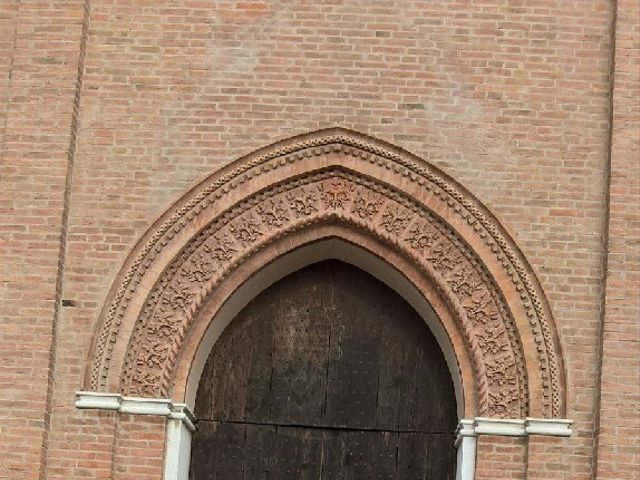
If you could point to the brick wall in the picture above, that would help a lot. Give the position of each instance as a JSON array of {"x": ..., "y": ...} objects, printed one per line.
[
  {"x": 619, "y": 421},
  {"x": 139, "y": 448},
  {"x": 512, "y": 99},
  {"x": 500, "y": 458},
  {"x": 556, "y": 458},
  {"x": 39, "y": 52}
]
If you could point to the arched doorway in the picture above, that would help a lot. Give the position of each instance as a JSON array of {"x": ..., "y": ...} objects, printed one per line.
[
  {"x": 442, "y": 249},
  {"x": 328, "y": 373}
]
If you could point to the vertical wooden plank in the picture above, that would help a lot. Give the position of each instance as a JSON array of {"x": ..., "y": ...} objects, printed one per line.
[
  {"x": 218, "y": 451},
  {"x": 354, "y": 353},
  {"x": 415, "y": 391},
  {"x": 298, "y": 453},
  {"x": 259, "y": 452},
  {"x": 440, "y": 457},
  {"x": 410, "y": 328},
  {"x": 338, "y": 392},
  {"x": 258, "y": 389},
  {"x": 354, "y": 455},
  {"x": 397, "y": 358},
  {"x": 203, "y": 458},
  {"x": 371, "y": 455},
  {"x": 334, "y": 454},
  {"x": 222, "y": 390},
  {"x": 432, "y": 397},
  {"x": 412, "y": 456},
  {"x": 300, "y": 350}
]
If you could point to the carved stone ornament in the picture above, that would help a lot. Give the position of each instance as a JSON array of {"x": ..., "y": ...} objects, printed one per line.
[{"x": 454, "y": 241}]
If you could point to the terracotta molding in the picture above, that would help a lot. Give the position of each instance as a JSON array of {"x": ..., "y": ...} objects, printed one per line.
[
  {"x": 484, "y": 315},
  {"x": 342, "y": 176}
]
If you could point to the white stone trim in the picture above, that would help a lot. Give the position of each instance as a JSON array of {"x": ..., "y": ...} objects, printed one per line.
[
  {"x": 98, "y": 400},
  {"x": 552, "y": 427},
  {"x": 466, "y": 444},
  {"x": 181, "y": 423},
  {"x": 468, "y": 430},
  {"x": 512, "y": 427},
  {"x": 162, "y": 407},
  {"x": 180, "y": 411},
  {"x": 145, "y": 406},
  {"x": 465, "y": 429},
  {"x": 499, "y": 426},
  {"x": 177, "y": 450}
]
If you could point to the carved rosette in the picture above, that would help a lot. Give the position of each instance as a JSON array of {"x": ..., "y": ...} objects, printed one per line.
[
  {"x": 484, "y": 317},
  {"x": 392, "y": 218}
]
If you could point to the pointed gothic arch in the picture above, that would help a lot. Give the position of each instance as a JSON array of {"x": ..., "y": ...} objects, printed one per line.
[{"x": 333, "y": 184}]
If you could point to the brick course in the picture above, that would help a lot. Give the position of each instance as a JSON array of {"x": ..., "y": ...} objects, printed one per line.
[{"x": 513, "y": 100}]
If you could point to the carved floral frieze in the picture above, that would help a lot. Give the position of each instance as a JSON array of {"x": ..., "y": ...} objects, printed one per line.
[
  {"x": 334, "y": 195},
  {"x": 379, "y": 210}
]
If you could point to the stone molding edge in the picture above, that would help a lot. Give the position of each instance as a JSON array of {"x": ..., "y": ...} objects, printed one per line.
[
  {"x": 551, "y": 427},
  {"x": 162, "y": 407}
]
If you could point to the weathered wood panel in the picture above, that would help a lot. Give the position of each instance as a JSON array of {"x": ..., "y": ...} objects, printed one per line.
[
  {"x": 326, "y": 374},
  {"x": 300, "y": 355},
  {"x": 256, "y": 452}
]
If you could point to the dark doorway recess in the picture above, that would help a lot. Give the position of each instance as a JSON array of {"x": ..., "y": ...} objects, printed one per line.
[{"x": 327, "y": 374}]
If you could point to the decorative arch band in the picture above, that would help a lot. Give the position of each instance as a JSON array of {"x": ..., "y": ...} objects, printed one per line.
[{"x": 335, "y": 177}]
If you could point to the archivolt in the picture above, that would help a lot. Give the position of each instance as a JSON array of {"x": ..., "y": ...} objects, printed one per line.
[{"x": 335, "y": 177}]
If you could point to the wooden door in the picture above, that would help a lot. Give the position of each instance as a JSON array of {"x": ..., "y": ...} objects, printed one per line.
[{"x": 327, "y": 374}]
